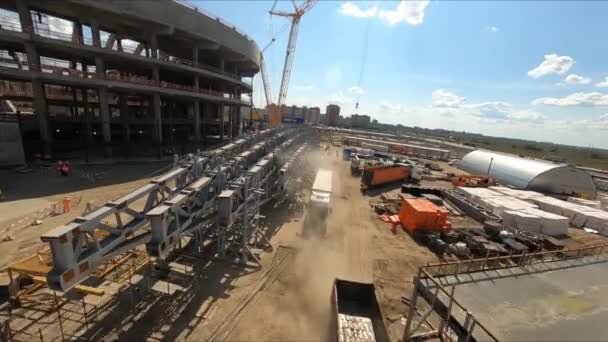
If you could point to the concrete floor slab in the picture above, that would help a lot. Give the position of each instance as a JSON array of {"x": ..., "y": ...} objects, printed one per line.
[{"x": 567, "y": 304}]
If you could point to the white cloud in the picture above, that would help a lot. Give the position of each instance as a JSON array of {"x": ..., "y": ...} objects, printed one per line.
[
  {"x": 577, "y": 79},
  {"x": 408, "y": 11},
  {"x": 576, "y": 99},
  {"x": 338, "y": 98},
  {"x": 492, "y": 29},
  {"x": 526, "y": 116},
  {"x": 490, "y": 110},
  {"x": 391, "y": 108},
  {"x": 356, "y": 90},
  {"x": 444, "y": 99},
  {"x": 352, "y": 10},
  {"x": 603, "y": 84},
  {"x": 553, "y": 64}
]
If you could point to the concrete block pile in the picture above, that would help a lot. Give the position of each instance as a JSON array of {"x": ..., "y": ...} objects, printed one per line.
[
  {"x": 585, "y": 202},
  {"x": 516, "y": 212},
  {"x": 580, "y": 216},
  {"x": 521, "y": 194}
]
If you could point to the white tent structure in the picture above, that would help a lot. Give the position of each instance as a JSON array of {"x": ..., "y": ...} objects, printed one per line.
[{"x": 529, "y": 174}]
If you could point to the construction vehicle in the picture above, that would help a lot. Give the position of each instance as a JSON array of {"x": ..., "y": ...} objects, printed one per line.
[
  {"x": 356, "y": 313},
  {"x": 319, "y": 205},
  {"x": 275, "y": 111},
  {"x": 355, "y": 165},
  {"x": 473, "y": 181},
  {"x": 422, "y": 214},
  {"x": 382, "y": 175}
]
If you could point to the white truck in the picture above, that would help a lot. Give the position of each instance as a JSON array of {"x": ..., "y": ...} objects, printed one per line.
[{"x": 319, "y": 205}]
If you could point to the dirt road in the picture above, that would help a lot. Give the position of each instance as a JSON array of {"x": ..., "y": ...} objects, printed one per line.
[{"x": 358, "y": 246}]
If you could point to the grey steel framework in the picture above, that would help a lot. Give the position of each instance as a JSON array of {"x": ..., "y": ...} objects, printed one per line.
[
  {"x": 104, "y": 73},
  {"x": 222, "y": 188},
  {"x": 437, "y": 283},
  {"x": 531, "y": 174}
]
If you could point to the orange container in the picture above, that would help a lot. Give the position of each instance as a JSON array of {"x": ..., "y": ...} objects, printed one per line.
[
  {"x": 420, "y": 213},
  {"x": 379, "y": 175}
]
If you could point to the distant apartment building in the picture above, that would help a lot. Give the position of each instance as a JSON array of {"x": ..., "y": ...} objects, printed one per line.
[
  {"x": 333, "y": 114},
  {"x": 360, "y": 121}
]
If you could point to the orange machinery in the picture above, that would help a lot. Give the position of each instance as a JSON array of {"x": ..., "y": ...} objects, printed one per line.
[
  {"x": 422, "y": 214},
  {"x": 379, "y": 175},
  {"x": 473, "y": 181}
]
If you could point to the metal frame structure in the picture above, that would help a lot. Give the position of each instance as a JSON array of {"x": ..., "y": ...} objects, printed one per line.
[
  {"x": 430, "y": 284},
  {"x": 181, "y": 203}
]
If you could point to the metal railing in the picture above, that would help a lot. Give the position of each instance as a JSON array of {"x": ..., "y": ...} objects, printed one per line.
[
  {"x": 131, "y": 79},
  {"x": 430, "y": 282}
]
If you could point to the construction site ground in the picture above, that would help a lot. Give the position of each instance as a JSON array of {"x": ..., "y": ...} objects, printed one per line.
[
  {"x": 32, "y": 196},
  {"x": 358, "y": 246},
  {"x": 203, "y": 292}
]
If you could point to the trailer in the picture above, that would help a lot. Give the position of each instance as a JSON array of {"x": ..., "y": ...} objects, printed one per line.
[
  {"x": 356, "y": 313},
  {"x": 319, "y": 205},
  {"x": 381, "y": 175}
]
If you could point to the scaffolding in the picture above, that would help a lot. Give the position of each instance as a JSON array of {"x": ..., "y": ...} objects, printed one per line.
[
  {"x": 436, "y": 284},
  {"x": 152, "y": 240}
]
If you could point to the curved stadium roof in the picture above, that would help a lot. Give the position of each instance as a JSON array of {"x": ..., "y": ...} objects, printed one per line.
[{"x": 531, "y": 174}]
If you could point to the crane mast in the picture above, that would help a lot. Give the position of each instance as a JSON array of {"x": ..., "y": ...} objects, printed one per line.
[
  {"x": 275, "y": 117},
  {"x": 291, "y": 48}
]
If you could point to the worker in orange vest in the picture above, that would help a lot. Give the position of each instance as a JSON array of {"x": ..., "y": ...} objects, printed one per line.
[{"x": 67, "y": 204}]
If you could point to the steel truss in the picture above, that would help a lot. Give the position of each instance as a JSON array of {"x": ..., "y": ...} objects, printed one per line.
[{"x": 180, "y": 203}]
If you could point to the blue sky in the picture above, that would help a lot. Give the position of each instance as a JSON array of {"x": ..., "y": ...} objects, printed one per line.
[{"x": 532, "y": 70}]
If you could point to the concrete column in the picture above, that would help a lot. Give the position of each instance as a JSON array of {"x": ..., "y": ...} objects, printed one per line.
[
  {"x": 230, "y": 121},
  {"x": 158, "y": 127},
  {"x": 88, "y": 129},
  {"x": 100, "y": 67},
  {"x": 205, "y": 114},
  {"x": 25, "y": 18},
  {"x": 222, "y": 64},
  {"x": 95, "y": 33},
  {"x": 155, "y": 73},
  {"x": 119, "y": 44},
  {"x": 125, "y": 117},
  {"x": 154, "y": 46},
  {"x": 195, "y": 56},
  {"x": 33, "y": 58},
  {"x": 197, "y": 120},
  {"x": 41, "y": 111},
  {"x": 77, "y": 36},
  {"x": 104, "y": 112},
  {"x": 220, "y": 111}
]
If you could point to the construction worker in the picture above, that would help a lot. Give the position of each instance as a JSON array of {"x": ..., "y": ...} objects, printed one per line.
[{"x": 67, "y": 204}]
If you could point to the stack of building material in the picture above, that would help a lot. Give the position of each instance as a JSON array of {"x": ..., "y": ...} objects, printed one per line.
[
  {"x": 585, "y": 202},
  {"x": 535, "y": 220},
  {"x": 603, "y": 198},
  {"x": 550, "y": 224},
  {"x": 579, "y": 216},
  {"x": 521, "y": 194},
  {"x": 355, "y": 328},
  {"x": 478, "y": 195},
  {"x": 501, "y": 204},
  {"x": 521, "y": 220}
]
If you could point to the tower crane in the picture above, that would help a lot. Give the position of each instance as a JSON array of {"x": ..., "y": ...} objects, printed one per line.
[{"x": 275, "y": 117}]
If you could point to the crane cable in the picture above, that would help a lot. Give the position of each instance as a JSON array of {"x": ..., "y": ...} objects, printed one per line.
[{"x": 363, "y": 61}]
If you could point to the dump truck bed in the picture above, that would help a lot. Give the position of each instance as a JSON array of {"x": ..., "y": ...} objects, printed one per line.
[{"x": 357, "y": 315}]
